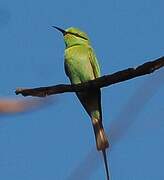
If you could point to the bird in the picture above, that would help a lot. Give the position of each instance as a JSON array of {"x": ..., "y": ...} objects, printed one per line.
[{"x": 81, "y": 65}]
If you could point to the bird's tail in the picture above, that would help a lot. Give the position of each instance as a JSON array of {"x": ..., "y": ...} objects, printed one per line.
[
  {"x": 106, "y": 164},
  {"x": 101, "y": 141},
  {"x": 100, "y": 136}
]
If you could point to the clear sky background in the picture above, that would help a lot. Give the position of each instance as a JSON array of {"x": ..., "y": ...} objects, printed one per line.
[{"x": 51, "y": 143}]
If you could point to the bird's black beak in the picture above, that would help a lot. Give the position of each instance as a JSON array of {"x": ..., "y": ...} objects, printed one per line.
[{"x": 59, "y": 29}]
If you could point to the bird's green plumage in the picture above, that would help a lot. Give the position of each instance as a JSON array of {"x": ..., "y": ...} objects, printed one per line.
[
  {"x": 81, "y": 65},
  {"x": 79, "y": 55}
]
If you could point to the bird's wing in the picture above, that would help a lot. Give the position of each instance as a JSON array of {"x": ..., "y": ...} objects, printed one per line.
[
  {"x": 94, "y": 63},
  {"x": 96, "y": 71},
  {"x": 66, "y": 68}
]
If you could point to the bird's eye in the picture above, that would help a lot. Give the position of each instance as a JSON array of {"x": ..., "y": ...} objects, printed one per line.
[{"x": 77, "y": 35}]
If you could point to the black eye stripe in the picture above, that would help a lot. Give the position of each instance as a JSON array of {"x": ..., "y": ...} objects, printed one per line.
[{"x": 77, "y": 35}]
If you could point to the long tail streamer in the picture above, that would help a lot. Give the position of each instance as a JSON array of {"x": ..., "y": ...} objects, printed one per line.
[{"x": 106, "y": 164}]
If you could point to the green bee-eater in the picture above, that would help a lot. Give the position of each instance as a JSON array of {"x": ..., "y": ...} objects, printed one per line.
[{"x": 81, "y": 65}]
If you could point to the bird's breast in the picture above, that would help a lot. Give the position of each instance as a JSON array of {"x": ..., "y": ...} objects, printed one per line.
[
  {"x": 78, "y": 63},
  {"x": 76, "y": 53}
]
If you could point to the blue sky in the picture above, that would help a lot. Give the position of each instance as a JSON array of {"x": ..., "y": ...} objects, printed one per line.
[{"x": 51, "y": 142}]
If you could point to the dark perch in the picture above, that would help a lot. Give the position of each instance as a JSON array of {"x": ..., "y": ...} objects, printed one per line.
[{"x": 107, "y": 80}]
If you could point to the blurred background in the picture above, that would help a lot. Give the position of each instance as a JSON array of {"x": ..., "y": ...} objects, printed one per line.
[{"x": 53, "y": 142}]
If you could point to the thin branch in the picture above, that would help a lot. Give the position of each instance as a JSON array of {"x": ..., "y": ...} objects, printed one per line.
[{"x": 107, "y": 80}]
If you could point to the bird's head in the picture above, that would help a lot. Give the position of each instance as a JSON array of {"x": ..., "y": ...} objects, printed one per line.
[{"x": 73, "y": 36}]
